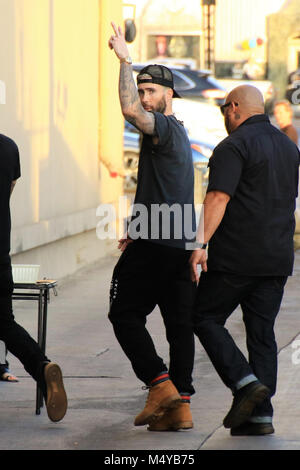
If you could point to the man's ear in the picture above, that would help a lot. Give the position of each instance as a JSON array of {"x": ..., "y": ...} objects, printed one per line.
[
  {"x": 236, "y": 111},
  {"x": 169, "y": 93}
]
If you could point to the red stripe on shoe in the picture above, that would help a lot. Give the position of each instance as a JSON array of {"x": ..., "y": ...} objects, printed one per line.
[
  {"x": 183, "y": 397},
  {"x": 159, "y": 378}
]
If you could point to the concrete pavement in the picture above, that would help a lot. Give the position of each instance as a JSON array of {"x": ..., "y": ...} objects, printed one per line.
[{"x": 104, "y": 394}]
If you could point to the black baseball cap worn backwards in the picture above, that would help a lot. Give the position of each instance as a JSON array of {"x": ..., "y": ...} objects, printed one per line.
[{"x": 158, "y": 74}]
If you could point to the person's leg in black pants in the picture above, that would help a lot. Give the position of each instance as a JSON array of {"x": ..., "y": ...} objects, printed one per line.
[
  {"x": 21, "y": 345},
  {"x": 16, "y": 338},
  {"x": 218, "y": 295},
  {"x": 176, "y": 308},
  {"x": 260, "y": 310},
  {"x": 133, "y": 296},
  {"x": 143, "y": 273},
  {"x": 260, "y": 299}
]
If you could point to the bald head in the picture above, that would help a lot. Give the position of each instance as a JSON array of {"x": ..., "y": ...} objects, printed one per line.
[
  {"x": 245, "y": 101},
  {"x": 249, "y": 98}
]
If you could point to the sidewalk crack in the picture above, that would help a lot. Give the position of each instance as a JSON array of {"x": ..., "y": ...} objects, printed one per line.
[
  {"x": 103, "y": 351},
  {"x": 209, "y": 436},
  {"x": 288, "y": 344}
]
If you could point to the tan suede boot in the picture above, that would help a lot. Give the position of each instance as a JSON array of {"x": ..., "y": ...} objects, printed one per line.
[
  {"x": 56, "y": 400},
  {"x": 162, "y": 397},
  {"x": 173, "y": 420}
]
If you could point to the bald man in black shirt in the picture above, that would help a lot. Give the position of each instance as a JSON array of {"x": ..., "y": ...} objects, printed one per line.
[{"x": 249, "y": 224}]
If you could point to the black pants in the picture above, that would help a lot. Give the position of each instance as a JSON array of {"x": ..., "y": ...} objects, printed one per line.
[
  {"x": 149, "y": 274},
  {"x": 17, "y": 340},
  {"x": 218, "y": 295}
]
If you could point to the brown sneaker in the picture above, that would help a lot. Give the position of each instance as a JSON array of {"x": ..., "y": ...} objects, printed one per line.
[
  {"x": 162, "y": 397},
  {"x": 56, "y": 400},
  {"x": 173, "y": 420}
]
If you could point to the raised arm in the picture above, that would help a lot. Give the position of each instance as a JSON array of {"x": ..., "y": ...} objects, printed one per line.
[{"x": 131, "y": 106}]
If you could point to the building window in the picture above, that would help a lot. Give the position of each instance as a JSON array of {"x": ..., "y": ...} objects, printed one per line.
[{"x": 174, "y": 48}]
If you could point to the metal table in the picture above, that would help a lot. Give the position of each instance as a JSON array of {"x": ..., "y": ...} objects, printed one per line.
[{"x": 39, "y": 291}]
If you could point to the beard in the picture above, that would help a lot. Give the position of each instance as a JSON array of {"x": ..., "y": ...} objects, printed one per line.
[
  {"x": 161, "y": 106},
  {"x": 227, "y": 125}
]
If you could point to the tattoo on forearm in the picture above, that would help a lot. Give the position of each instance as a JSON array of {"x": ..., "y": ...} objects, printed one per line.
[
  {"x": 130, "y": 102},
  {"x": 127, "y": 89},
  {"x": 132, "y": 121}
]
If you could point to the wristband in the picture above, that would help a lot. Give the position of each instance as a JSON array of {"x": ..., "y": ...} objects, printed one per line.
[
  {"x": 127, "y": 59},
  {"x": 202, "y": 246}
]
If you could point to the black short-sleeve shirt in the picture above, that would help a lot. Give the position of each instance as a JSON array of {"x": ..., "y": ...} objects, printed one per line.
[
  {"x": 165, "y": 186},
  {"x": 9, "y": 172},
  {"x": 258, "y": 166}
]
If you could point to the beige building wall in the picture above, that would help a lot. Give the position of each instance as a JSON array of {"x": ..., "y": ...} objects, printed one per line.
[
  {"x": 53, "y": 63},
  {"x": 284, "y": 44}
]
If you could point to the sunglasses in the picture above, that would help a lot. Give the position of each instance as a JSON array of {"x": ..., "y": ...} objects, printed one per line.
[{"x": 222, "y": 108}]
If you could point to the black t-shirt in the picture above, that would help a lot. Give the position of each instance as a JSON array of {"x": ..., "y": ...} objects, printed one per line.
[
  {"x": 165, "y": 187},
  {"x": 9, "y": 171},
  {"x": 258, "y": 166}
]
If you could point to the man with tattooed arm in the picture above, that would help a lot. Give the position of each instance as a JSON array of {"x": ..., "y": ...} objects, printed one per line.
[{"x": 153, "y": 269}]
